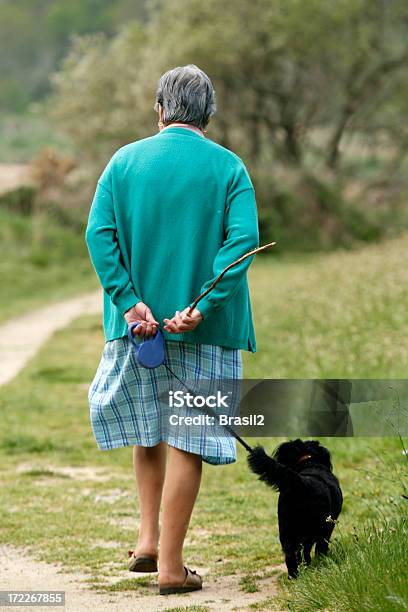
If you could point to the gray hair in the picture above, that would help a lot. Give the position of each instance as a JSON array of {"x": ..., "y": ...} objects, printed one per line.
[{"x": 186, "y": 94}]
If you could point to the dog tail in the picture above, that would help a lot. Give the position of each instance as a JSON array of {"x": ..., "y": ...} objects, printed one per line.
[{"x": 269, "y": 470}]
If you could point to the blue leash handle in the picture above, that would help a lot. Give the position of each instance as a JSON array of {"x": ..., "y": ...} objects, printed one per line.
[{"x": 150, "y": 352}]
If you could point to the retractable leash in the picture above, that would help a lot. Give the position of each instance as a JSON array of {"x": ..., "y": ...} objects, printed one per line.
[{"x": 151, "y": 353}]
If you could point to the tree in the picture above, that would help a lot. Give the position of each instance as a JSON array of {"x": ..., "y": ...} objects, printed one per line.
[
  {"x": 100, "y": 100},
  {"x": 285, "y": 68},
  {"x": 35, "y": 35},
  {"x": 295, "y": 83}
]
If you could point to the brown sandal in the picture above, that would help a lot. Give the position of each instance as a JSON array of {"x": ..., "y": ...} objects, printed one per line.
[
  {"x": 192, "y": 582},
  {"x": 142, "y": 563}
]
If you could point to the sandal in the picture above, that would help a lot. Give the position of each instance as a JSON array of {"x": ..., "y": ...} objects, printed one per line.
[
  {"x": 142, "y": 563},
  {"x": 192, "y": 582}
]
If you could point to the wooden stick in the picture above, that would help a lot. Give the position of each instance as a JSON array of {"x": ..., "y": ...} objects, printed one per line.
[{"x": 219, "y": 277}]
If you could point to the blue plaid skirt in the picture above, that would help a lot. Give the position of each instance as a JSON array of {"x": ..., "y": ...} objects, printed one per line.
[{"x": 126, "y": 400}]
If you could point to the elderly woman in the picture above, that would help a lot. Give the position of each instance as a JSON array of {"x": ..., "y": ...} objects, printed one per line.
[{"x": 170, "y": 212}]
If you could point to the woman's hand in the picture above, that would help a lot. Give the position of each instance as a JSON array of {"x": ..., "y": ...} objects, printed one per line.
[
  {"x": 142, "y": 313},
  {"x": 183, "y": 321}
]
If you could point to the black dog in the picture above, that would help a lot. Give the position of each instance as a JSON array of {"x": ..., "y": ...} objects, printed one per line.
[{"x": 310, "y": 497}]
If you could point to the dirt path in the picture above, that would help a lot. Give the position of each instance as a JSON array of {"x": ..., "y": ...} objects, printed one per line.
[
  {"x": 13, "y": 176},
  {"x": 20, "y": 339},
  {"x": 19, "y": 572}
]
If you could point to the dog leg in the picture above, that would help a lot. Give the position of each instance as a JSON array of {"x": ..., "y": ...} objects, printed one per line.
[
  {"x": 322, "y": 547},
  {"x": 307, "y": 547},
  {"x": 322, "y": 544},
  {"x": 292, "y": 560}
]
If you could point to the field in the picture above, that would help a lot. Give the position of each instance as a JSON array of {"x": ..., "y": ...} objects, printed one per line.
[
  {"x": 41, "y": 261},
  {"x": 339, "y": 315},
  {"x": 23, "y": 135},
  {"x": 342, "y": 315}
]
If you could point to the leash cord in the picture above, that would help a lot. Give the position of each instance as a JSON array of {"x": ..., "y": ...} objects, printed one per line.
[{"x": 210, "y": 412}]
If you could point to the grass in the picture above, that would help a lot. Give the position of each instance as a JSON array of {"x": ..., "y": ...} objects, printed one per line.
[
  {"x": 60, "y": 495},
  {"x": 89, "y": 513},
  {"x": 368, "y": 573},
  {"x": 249, "y": 584},
  {"x": 23, "y": 135},
  {"x": 41, "y": 262},
  {"x": 341, "y": 315}
]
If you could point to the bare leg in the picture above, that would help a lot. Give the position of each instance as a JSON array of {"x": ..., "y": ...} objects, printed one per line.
[
  {"x": 183, "y": 477},
  {"x": 150, "y": 468}
]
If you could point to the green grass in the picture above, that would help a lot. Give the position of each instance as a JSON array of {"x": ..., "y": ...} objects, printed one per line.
[
  {"x": 340, "y": 315},
  {"x": 368, "y": 573},
  {"x": 60, "y": 495},
  {"x": 23, "y": 135},
  {"x": 45, "y": 428},
  {"x": 41, "y": 262},
  {"x": 249, "y": 583}
]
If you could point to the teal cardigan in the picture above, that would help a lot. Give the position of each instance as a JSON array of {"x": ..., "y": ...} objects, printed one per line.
[{"x": 170, "y": 212}]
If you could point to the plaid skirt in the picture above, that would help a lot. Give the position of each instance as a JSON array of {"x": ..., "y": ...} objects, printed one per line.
[{"x": 126, "y": 400}]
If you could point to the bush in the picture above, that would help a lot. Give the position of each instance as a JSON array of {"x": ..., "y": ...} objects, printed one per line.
[
  {"x": 304, "y": 213},
  {"x": 20, "y": 200}
]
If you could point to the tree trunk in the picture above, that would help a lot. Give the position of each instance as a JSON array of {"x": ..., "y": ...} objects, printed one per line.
[
  {"x": 334, "y": 144},
  {"x": 292, "y": 147}
]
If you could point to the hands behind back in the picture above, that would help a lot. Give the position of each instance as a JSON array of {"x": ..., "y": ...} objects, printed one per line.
[
  {"x": 142, "y": 313},
  {"x": 180, "y": 323},
  {"x": 183, "y": 321}
]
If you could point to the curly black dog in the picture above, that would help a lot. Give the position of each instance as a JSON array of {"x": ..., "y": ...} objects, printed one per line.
[{"x": 310, "y": 497}]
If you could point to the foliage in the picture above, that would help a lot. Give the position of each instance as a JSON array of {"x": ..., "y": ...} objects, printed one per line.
[
  {"x": 364, "y": 572},
  {"x": 102, "y": 99},
  {"x": 310, "y": 94},
  {"x": 22, "y": 135},
  {"x": 19, "y": 200},
  {"x": 277, "y": 79},
  {"x": 58, "y": 178},
  {"x": 49, "y": 459},
  {"x": 35, "y": 35},
  {"x": 305, "y": 213}
]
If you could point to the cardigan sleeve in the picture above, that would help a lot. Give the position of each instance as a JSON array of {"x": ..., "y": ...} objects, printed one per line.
[
  {"x": 240, "y": 236},
  {"x": 101, "y": 239}
]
